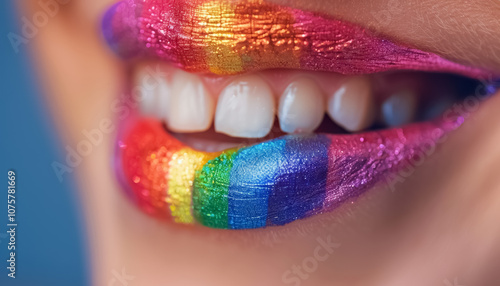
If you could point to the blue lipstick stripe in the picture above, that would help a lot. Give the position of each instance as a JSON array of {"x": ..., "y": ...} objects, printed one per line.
[
  {"x": 301, "y": 185},
  {"x": 252, "y": 179}
]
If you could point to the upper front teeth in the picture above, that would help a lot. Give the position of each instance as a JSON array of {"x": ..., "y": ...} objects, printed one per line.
[
  {"x": 245, "y": 108},
  {"x": 154, "y": 90},
  {"x": 301, "y": 107},
  {"x": 247, "y": 105},
  {"x": 191, "y": 105}
]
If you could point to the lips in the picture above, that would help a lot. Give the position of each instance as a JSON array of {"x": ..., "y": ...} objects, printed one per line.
[{"x": 277, "y": 181}]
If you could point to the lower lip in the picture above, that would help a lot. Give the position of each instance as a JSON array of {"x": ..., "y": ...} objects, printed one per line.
[{"x": 271, "y": 183}]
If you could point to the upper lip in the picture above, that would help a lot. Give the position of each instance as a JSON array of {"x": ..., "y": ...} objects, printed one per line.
[{"x": 224, "y": 37}]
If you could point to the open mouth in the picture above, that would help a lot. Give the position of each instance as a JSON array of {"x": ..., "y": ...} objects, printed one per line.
[{"x": 251, "y": 114}]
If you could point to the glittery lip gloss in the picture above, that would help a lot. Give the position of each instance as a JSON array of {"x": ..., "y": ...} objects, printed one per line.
[
  {"x": 267, "y": 184},
  {"x": 278, "y": 181},
  {"x": 231, "y": 37}
]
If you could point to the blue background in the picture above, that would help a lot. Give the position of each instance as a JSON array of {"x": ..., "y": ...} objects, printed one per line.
[{"x": 51, "y": 248}]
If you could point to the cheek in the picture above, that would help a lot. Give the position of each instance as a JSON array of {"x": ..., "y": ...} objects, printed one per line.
[
  {"x": 77, "y": 72},
  {"x": 81, "y": 12},
  {"x": 92, "y": 10}
]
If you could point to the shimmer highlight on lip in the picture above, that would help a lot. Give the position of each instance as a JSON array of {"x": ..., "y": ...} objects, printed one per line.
[
  {"x": 271, "y": 183},
  {"x": 231, "y": 37}
]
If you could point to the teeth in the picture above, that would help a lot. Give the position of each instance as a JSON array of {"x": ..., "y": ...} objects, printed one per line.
[
  {"x": 191, "y": 106},
  {"x": 153, "y": 92},
  {"x": 399, "y": 109},
  {"x": 352, "y": 105},
  {"x": 301, "y": 107},
  {"x": 245, "y": 108}
]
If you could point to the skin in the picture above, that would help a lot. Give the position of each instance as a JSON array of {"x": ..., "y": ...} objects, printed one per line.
[{"x": 438, "y": 224}]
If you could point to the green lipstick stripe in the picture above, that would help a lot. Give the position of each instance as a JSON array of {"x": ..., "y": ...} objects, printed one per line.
[{"x": 210, "y": 190}]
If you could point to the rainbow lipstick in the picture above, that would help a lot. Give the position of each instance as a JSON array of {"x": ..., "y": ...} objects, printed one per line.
[
  {"x": 278, "y": 181},
  {"x": 231, "y": 37},
  {"x": 271, "y": 183}
]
